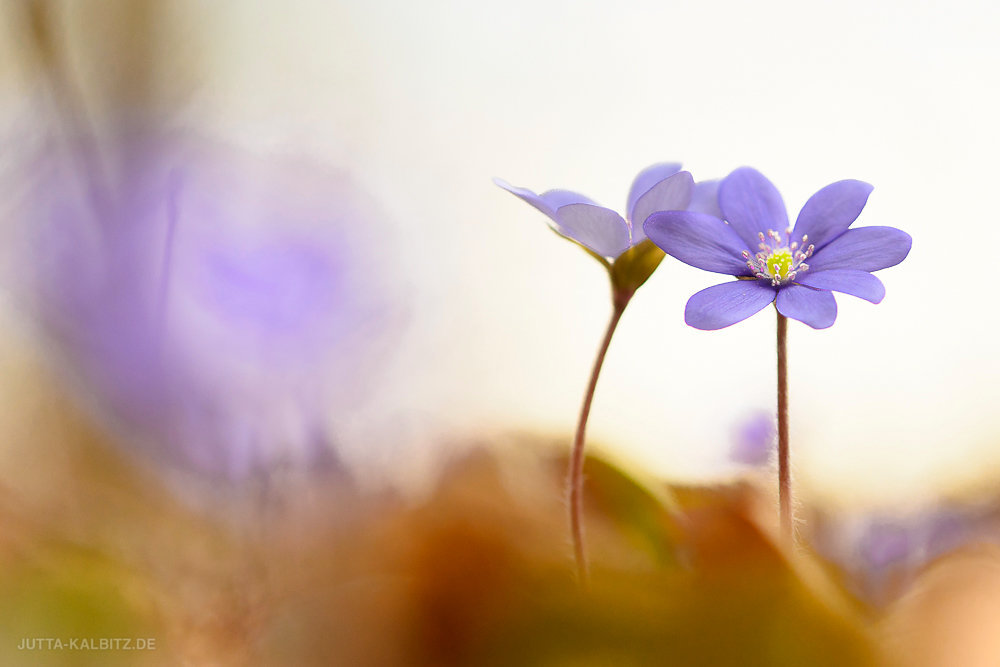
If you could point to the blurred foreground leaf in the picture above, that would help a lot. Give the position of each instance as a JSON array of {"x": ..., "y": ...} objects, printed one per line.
[
  {"x": 477, "y": 572},
  {"x": 472, "y": 576}
]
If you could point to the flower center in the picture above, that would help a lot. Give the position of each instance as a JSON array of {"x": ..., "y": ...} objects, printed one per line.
[
  {"x": 779, "y": 263},
  {"x": 777, "y": 260}
]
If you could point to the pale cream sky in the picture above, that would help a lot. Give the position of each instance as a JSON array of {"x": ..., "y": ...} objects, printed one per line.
[{"x": 426, "y": 102}]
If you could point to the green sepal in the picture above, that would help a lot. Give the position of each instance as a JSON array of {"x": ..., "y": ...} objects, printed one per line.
[{"x": 634, "y": 267}]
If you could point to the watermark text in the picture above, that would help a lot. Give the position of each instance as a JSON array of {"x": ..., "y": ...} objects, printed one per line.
[{"x": 87, "y": 644}]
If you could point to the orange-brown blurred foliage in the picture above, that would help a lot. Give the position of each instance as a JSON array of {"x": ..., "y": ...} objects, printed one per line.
[{"x": 309, "y": 570}]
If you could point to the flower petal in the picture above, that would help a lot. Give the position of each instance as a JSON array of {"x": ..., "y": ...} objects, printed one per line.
[
  {"x": 698, "y": 240},
  {"x": 547, "y": 202},
  {"x": 815, "y": 307},
  {"x": 849, "y": 281},
  {"x": 559, "y": 198},
  {"x": 644, "y": 182},
  {"x": 864, "y": 248},
  {"x": 752, "y": 205},
  {"x": 528, "y": 196},
  {"x": 719, "y": 306},
  {"x": 598, "y": 228},
  {"x": 705, "y": 199},
  {"x": 829, "y": 212},
  {"x": 671, "y": 194}
]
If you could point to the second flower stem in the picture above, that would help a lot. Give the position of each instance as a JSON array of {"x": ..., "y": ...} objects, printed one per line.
[
  {"x": 576, "y": 458},
  {"x": 784, "y": 472}
]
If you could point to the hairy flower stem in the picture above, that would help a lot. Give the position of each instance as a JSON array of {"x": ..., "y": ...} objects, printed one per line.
[
  {"x": 576, "y": 458},
  {"x": 784, "y": 473}
]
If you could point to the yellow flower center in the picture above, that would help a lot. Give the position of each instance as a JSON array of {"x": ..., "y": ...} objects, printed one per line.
[
  {"x": 779, "y": 263},
  {"x": 778, "y": 260}
]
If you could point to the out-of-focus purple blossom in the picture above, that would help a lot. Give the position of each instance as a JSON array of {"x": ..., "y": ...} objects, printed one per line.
[
  {"x": 753, "y": 440},
  {"x": 885, "y": 543},
  {"x": 224, "y": 310},
  {"x": 794, "y": 268},
  {"x": 660, "y": 187},
  {"x": 884, "y": 552},
  {"x": 945, "y": 530}
]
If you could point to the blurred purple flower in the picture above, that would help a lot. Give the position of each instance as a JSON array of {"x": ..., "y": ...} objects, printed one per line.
[
  {"x": 886, "y": 543},
  {"x": 604, "y": 232},
  {"x": 796, "y": 268},
  {"x": 753, "y": 440},
  {"x": 884, "y": 552},
  {"x": 224, "y": 307}
]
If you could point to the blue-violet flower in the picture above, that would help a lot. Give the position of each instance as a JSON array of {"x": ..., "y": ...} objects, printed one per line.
[
  {"x": 226, "y": 312},
  {"x": 604, "y": 232},
  {"x": 796, "y": 268}
]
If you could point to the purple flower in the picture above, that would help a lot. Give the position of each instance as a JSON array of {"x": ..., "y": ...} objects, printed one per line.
[
  {"x": 753, "y": 439},
  {"x": 621, "y": 246},
  {"x": 796, "y": 268},
  {"x": 883, "y": 553},
  {"x": 227, "y": 311},
  {"x": 606, "y": 234}
]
